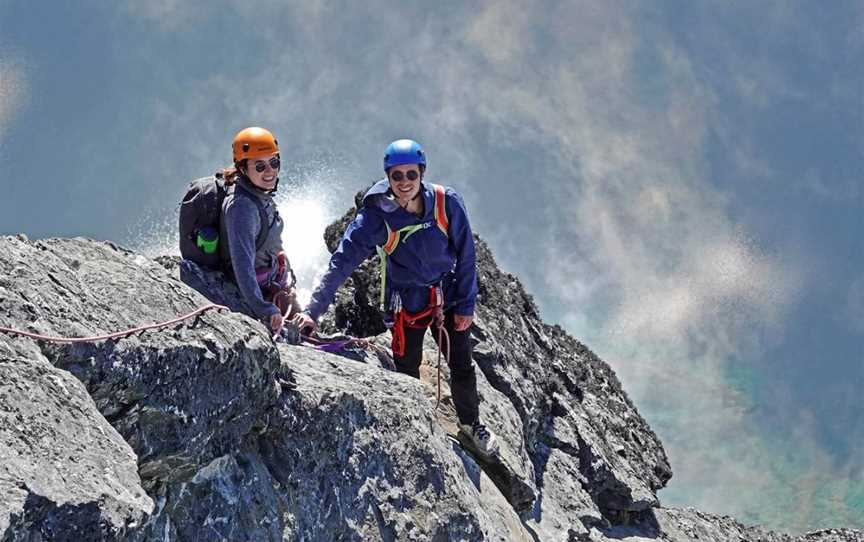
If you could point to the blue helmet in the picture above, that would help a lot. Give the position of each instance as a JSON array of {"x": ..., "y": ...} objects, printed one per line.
[{"x": 404, "y": 151}]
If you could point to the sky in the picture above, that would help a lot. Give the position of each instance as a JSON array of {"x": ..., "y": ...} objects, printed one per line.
[{"x": 679, "y": 184}]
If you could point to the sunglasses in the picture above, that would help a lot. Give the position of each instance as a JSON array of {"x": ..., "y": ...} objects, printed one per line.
[
  {"x": 261, "y": 166},
  {"x": 412, "y": 175}
]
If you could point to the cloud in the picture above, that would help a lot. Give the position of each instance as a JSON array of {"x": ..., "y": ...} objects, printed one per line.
[
  {"x": 664, "y": 281},
  {"x": 855, "y": 305},
  {"x": 626, "y": 230},
  {"x": 170, "y": 15},
  {"x": 13, "y": 92}
]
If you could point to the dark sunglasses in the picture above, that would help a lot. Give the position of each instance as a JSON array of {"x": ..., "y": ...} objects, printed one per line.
[
  {"x": 261, "y": 166},
  {"x": 397, "y": 176}
]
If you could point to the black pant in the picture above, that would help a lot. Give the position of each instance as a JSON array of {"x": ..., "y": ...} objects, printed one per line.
[{"x": 463, "y": 381}]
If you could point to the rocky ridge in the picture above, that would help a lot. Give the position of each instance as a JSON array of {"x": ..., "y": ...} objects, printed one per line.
[{"x": 207, "y": 430}]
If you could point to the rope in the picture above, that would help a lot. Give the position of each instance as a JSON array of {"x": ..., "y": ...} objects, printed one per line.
[
  {"x": 326, "y": 346},
  {"x": 116, "y": 335},
  {"x": 335, "y": 346},
  {"x": 442, "y": 334},
  {"x": 437, "y": 314}
]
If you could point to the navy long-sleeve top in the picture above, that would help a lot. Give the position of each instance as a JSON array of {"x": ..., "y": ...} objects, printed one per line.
[{"x": 425, "y": 258}]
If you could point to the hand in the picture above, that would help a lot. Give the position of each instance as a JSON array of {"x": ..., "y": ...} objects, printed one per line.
[
  {"x": 461, "y": 322},
  {"x": 276, "y": 323},
  {"x": 304, "y": 323}
]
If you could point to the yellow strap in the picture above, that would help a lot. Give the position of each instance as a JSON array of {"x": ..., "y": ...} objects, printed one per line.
[
  {"x": 393, "y": 240},
  {"x": 408, "y": 231},
  {"x": 383, "y": 272}
]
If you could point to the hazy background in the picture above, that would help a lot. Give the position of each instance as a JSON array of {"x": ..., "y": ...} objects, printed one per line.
[{"x": 678, "y": 183}]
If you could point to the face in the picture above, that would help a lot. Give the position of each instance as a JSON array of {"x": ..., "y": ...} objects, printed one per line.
[
  {"x": 266, "y": 178},
  {"x": 404, "y": 189}
]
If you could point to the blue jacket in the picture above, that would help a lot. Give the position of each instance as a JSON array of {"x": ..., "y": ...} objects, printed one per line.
[{"x": 425, "y": 258}]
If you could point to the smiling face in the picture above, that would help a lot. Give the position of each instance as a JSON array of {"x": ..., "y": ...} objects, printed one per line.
[
  {"x": 402, "y": 186},
  {"x": 267, "y": 177}
]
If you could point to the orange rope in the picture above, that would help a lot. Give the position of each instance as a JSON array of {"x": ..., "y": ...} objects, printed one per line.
[{"x": 116, "y": 335}]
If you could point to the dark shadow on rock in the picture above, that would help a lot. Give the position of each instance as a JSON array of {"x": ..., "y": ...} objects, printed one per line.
[
  {"x": 213, "y": 285},
  {"x": 518, "y": 493},
  {"x": 629, "y": 524},
  {"x": 232, "y": 498},
  {"x": 468, "y": 461},
  {"x": 44, "y": 519}
]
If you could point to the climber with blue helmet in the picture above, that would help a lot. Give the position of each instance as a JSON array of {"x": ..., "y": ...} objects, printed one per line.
[{"x": 428, "y": 273}]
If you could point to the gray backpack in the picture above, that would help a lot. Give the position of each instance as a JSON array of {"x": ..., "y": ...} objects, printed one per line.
[{"x": 200, "y": 213}]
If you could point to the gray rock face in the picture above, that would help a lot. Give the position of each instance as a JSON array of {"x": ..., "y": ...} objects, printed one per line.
[
  {"x": 578, "y": 447},
  {"x": 362, "y": 458},
  {"x": 207, "y": 430},
  {"x": 691, "y": 524},
  {"x": 65, "y": 473},
  {"x": 573, "y": 410}
]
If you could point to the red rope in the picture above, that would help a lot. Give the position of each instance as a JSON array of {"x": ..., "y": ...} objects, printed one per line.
[{"x": 116, "y": 335}]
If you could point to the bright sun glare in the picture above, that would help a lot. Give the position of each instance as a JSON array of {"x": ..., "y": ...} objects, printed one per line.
[{"x": 303, "y": 240}]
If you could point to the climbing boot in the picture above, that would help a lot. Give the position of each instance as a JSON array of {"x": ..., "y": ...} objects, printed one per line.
[{"x": 479, "y": 438}]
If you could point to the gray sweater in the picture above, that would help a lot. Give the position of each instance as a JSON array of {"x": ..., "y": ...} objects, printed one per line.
[{"x": 240, "y": 224}]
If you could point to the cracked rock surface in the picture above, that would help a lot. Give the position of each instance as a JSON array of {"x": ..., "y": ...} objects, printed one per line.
[{"x": 208, "y": 430}]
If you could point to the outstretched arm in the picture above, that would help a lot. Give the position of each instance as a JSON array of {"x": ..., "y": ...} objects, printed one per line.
[{"x": 359, "y": 242}]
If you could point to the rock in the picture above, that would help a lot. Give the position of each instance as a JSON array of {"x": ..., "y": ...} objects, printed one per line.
[
  {"x": 833, "y": 535},
  {"x": 215, "y": 413},
  {"x": 686, "y": 524},
  {"x": 361, "y": 457},
  {"x": 182, "y": 397},
  {"x": 65, "y": 473},
  {"x": 548, "y": 398},
  {"x": 208, "y": 430}
]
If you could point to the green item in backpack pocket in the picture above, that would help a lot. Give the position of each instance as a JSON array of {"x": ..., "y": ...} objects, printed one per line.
[{"x": 207, "y": 240}]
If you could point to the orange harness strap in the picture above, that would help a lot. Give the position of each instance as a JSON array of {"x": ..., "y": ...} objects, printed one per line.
[{"x": 441, "y": 209}]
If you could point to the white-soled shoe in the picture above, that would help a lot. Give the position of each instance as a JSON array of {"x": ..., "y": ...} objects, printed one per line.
[{"x": 481, "y": 438}]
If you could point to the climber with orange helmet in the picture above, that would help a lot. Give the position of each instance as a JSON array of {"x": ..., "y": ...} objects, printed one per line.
[{"x": 250, "y": 228}]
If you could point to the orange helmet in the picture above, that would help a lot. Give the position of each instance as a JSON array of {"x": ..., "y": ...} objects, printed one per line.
[{"x": 254, "y": 142}]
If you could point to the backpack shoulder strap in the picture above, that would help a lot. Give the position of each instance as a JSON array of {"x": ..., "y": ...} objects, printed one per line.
[
  {"x": 441, "y": 208},
  {"x": 265, "y": 224},
  {"x": 262, "y": 212}
]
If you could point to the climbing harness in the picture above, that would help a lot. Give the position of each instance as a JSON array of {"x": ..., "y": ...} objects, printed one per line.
[
  {"x": 116, "y": 335},
  {"x": 274, "y": 277},
  {"x": 433, "y": 314}
]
